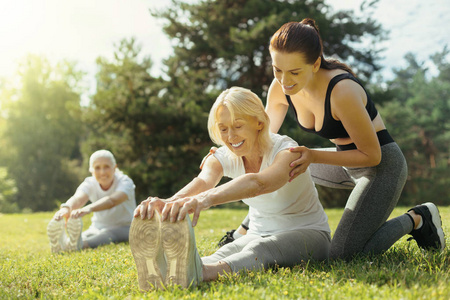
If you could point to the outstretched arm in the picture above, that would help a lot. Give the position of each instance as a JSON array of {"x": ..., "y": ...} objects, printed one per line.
[
  {"x": 208, "y": 178},
  {"x": 107, "y": 202},
  {"x": 79, "y": 199},
  {"x": 246, "y": 186}
]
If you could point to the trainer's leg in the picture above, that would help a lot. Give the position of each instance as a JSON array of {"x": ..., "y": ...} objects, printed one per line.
[
  {"x": 369, "y": 206},
  {"x": 388, "y": 234}
]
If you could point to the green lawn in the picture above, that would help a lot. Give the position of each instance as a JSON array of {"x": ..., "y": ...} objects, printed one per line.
[{"x": 29, "y": 270}]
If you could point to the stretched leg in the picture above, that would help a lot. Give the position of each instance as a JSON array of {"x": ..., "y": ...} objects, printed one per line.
[
  {"x": 93, "y": 237},
  {"x": 284, "y": 249}
]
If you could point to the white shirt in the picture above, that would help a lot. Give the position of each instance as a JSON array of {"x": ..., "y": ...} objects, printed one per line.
[
  {"x": 119, "y": 215},
  {"x": 294, "y": 206}
]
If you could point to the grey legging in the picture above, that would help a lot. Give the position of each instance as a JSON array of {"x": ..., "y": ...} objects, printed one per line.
[{"x": 376, "y": 190}]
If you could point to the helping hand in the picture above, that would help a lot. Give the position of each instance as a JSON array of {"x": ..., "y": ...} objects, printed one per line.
[{"x": 302, "y": 163}]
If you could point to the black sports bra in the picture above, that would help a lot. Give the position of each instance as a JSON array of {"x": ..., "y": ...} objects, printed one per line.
[{"x": 331, "y": 128}]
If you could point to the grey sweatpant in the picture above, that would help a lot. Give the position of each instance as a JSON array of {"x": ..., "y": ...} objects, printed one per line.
[
  {"x": 376, "y": 190},
  {"x": 286, "y": 249}
]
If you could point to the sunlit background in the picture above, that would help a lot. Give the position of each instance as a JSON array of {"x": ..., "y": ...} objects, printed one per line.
[{"x": 82, "y": 30}]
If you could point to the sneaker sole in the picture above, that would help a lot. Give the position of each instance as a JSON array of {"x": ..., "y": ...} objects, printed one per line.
[
  {"x": 436, "y": 218},
  {"x": 54, "y": 231},
  {"x": 74, "y": 227},
  {"x": 176, "y": 242},
  {"x": 145, "y": 243}
]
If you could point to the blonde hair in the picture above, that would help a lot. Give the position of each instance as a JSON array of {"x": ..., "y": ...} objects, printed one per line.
[
  {"x": 98, "y": 154},
  {"x": 244, "y": 102}
]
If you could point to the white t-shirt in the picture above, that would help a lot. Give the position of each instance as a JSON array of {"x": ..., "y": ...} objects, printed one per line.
[
  {"x": 120, "y": 215},
  {"x": 294, "y": 206}
]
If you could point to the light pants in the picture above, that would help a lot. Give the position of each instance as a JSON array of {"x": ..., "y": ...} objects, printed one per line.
[
  {"x": 96, "y": 237},
  {"x": 286, "y": 249}
]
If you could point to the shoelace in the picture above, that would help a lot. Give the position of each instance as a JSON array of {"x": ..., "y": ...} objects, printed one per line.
[{"x": 226, "y": 237}]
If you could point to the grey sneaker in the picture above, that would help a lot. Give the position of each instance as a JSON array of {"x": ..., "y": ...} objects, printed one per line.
[
  {"x": 74, "y": 229},
  {"x": 56, "y": 235},
  {"x": 183, "y": 262},
  {"x": 145, "y": 245},
  {"x": 430, "y": 235}
]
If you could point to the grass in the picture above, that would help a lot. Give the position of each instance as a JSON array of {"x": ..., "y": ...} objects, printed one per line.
[{"x": 29, "y": 270}]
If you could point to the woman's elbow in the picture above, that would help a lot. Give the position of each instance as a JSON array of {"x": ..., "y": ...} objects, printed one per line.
[
  {"x": 374, "y": 159},
  {"x": 262, "y": 187}
]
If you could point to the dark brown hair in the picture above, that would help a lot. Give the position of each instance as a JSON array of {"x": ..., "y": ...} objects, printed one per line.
[{"x": 304, "y": 37}]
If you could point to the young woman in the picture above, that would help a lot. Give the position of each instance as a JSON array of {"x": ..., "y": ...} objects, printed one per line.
[
  {"x": 289, "y": 224},
  {"x": 328, "y": 100},
  {"x": 112, "y": 201}
]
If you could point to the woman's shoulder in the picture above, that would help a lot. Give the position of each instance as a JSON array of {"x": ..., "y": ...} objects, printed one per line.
[
  {"x": 122, "y": 177},
  {"x": 282, "y": 141}
]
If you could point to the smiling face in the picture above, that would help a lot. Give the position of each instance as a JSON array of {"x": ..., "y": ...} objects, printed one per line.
[
  {"x": 292, "y": 72},
  {"x": 239, "y": 134},
  {"x": 103, "y": 171}
]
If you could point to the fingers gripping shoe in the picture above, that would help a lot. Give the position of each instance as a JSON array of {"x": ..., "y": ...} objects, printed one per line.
[
  {"x": 145, "y": 245},
  {"x": 56, "y": 235},
  {"x": 74, "y": 229},
  {"x": 184, "y": 266},
  {"x": 430, "y": 235}
]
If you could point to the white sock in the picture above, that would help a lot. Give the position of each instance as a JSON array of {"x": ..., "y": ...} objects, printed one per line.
[
  {"x": 236, "y": 235},
  {"x": 420, "y": 223}
]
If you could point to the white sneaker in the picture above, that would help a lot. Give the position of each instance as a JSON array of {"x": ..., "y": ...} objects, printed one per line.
[
  {"x": 74, "y": 229},
  {"x": 183, "y": 262},
  {"x": 57, "y": 235},
  {"x": 145, "y": 245}
]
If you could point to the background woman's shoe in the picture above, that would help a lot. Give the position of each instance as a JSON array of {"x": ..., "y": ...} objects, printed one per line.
[
  {"x": 145, "y": 245},
  {"x": 57, "y": 235},
  {"x": 74, "y": 229},
  {"x": 430, "y": 235}
]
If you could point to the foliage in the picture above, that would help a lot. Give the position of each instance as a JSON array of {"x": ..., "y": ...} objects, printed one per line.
[
  {"x": 155, "y": 138},
  {"x": 7, "y": 192},
  {"x": 418, "y": 118},
  {"x": 218, "y": 44},
  {"x": 42, "y": 132},
  {"x": 156, "y": 127},
  {"x": 225, "y": 43},
  {"x": 30, "y": 271}
]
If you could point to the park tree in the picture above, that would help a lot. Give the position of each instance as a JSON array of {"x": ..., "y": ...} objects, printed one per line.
[
  {"x": 226, "y": 42},
  {"x": 417, "y": 114},
  {"x": 42, "y": 132},
  {"x": 156, "y": 139},
  {"x": 219, "y": 44}
]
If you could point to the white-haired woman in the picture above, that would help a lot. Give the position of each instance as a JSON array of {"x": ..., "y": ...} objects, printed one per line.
[
  {"x": 112, "y": 201},
  {"x": 288, "y": 222}
]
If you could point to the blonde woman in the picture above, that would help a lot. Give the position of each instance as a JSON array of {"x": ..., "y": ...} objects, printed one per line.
[
  {"x": 112, "y": 203},
  {"x": 288, "y": 223}
]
